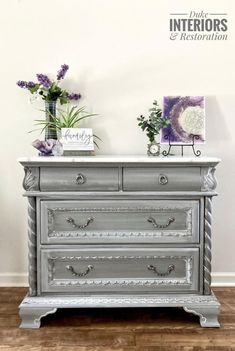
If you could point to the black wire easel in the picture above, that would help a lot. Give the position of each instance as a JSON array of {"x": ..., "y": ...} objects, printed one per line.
[{"x": 197, "y": 153}]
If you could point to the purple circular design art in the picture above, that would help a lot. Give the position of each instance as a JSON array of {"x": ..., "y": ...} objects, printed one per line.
[{"x": 186, "y": 115}]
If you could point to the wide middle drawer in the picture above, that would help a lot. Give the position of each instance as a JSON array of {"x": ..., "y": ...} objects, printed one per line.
[{"x": 119, "y": 221}]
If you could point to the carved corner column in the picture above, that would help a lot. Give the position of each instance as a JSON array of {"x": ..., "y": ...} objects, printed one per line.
[
  {"x": 31, "y": 183},
  {"x": 207, "y": 245},
  {"x": 32, "y": 246}
]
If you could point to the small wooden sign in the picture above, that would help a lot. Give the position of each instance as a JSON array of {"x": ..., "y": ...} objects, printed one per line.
[{"x": 77, "y": 139}]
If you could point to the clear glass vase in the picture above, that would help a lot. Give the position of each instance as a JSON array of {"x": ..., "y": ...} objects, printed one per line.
[{"x": 50, "y": 108}]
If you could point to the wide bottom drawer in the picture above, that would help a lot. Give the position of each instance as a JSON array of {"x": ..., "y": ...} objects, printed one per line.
[{"x": 88, "y": 269}]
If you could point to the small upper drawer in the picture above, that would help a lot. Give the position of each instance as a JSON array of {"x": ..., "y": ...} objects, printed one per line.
[
  {"x": 161, "y": 179},
  {"x": 79, "y": 179}
]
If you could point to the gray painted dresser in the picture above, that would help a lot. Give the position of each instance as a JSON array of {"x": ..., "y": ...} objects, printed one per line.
[{"x": 108, "y": 231}]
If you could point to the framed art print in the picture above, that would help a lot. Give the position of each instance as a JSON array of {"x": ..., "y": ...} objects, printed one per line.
[{"x": 186, "y": 115}]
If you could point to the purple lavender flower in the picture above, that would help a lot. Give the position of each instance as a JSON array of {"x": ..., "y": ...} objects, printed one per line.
[
  {"x": 61, "y": 73},
  {"x": 44, "y": 80},
  {"x": 22, "y": 84},
  {"x": 74, "y": 96},
  {"x": 31, "y": 85}
]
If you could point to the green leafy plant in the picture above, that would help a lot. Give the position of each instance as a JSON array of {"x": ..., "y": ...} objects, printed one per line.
[
  {"x": 154, "y": 123},
  {"x": 69, "y": 118}
]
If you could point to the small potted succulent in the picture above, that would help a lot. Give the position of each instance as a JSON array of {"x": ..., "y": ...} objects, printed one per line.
[{"x": 152, "y": 125}]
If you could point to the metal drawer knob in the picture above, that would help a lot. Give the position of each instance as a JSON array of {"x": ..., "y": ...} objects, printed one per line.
[
  {"x": 79, "y": 274},
  {"x": 171, "y": 268},
  {"x": 79, "y": 226},
  {"x": 160, "y": 226},
  {"x": 162, "y": 179},
  {"x": 80, "y": 179}
]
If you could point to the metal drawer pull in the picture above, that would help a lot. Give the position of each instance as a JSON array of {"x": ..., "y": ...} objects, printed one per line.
[
  {"x": 80, "y": 179},
  {"x": 80, "y": 274},
  {"x": 161, "y": 226},
  {"x": 162, "y": 179},
  {"x": 171, "y": 268},
  {"x": 80, "y": 226}
]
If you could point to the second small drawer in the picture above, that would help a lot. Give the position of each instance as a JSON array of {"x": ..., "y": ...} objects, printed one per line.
[
  {"x": 120, "y": 221},
  {"x": 161, "y": 179}
]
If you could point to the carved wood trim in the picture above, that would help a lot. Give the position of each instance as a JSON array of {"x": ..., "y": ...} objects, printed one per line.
[
  {"x": 185, "y": 281},
  {"x": 207, "y": 245},
  {"x": 120, "y": 282},
  {"x": 121, "y": 300},
  {"x": 124, "y": 233},
  {"x": 31, "y": 178},
  {"x": 209, "y": 181},
  {"x": 32, "y": 260}
]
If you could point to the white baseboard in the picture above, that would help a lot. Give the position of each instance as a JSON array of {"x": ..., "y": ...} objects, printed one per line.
[
  {"x": 219, "y": 279},
  {"x": 223, "y": 279},
  {"x": 13, "y": 279}
]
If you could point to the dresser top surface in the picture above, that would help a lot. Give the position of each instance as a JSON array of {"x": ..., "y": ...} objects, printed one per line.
[{"x": 121, "y": 159}]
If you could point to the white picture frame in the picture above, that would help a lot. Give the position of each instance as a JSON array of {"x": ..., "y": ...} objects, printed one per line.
[{"x": 77, "y": 139}]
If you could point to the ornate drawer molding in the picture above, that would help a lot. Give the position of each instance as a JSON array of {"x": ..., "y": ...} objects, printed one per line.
[
  {"x": 187, "y": 280},
  {"x": 122, "y": 233}
]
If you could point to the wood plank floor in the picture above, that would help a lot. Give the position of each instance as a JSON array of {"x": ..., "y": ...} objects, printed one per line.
[{"x": 135, "y": 329}]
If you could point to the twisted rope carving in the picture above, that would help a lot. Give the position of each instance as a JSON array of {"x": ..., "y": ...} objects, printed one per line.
[
  {"x": 207, "y": 246},
  {"x": 32, "y": 263}
]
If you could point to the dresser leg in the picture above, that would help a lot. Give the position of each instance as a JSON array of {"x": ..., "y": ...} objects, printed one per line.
[
  {"x": 31, "y": 317},
  {"x": 208, "y": 315}
]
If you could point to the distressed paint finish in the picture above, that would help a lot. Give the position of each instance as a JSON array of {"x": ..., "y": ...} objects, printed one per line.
[{"x": 117, "y": 189}]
